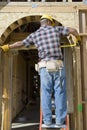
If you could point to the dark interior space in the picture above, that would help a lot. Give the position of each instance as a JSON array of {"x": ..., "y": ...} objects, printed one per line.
[{"x": 28, "y": 118}]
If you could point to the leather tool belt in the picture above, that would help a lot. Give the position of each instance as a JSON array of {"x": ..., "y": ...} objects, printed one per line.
[{"x": 51, "y": 66}]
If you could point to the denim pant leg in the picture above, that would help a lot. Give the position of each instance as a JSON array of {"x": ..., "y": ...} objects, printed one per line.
[
  {"x": 46, "y": 91},
  {"x": 60, "y": 97}
]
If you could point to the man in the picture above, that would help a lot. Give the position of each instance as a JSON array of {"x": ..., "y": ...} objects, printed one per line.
[{"x": 50, "y": 66}]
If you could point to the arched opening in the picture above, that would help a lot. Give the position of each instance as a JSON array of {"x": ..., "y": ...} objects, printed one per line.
[
  {"x": 25, "y": 80},
  {"x": 21, "y": 25}
]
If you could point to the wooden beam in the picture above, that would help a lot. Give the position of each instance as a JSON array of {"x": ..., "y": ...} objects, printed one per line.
[
  {"x": 84, "y": 78},
  {"x": 7, "y": 87},
  {"x": 83, "y": 22},
  {"x": 77, "y": 90},
  {"x": 1, "y": 87},
  {"x": 69, "y": 78}
]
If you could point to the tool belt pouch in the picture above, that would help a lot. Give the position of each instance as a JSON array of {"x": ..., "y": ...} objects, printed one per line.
[{"x": 53, "y": 66}]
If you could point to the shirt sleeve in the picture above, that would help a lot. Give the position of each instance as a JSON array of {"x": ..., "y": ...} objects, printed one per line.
[
  {"x": 28, "y": 41},
  {"x": 63, "y": 31}
]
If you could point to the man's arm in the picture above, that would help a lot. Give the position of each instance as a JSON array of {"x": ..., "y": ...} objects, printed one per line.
[
  {"x": 75, "y": 33},
  {"x": 16, "y": 45},
  {"x": 7, "y": 47}
]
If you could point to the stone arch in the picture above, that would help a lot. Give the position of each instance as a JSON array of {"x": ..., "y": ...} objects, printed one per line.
[{"x": 18, "y": 23}]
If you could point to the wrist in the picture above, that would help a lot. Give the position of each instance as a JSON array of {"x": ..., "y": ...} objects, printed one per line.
[{"x": 5, "y": 48}]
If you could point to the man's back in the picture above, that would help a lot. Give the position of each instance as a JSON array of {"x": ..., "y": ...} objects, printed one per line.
[{"x": 47, "y": 41}]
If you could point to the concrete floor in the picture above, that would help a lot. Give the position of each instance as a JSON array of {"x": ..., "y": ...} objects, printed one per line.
[{"x": 28, "y": 119}]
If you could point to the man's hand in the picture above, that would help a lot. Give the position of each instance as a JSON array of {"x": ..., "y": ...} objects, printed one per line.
[
  {"x": 5, "y": 48},
  {"x": 78, "y": 40}
]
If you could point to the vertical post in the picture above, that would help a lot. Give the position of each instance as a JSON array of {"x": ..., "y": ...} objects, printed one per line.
[
  {"x": 84, "y": 22},
  {"x": 0, "y": 87},
  {"x": 7, "y": 91},
  {"x": 40, "y": 126},
  {"x": 77, "y": 90},
  {"x": 84, "y": 79}
]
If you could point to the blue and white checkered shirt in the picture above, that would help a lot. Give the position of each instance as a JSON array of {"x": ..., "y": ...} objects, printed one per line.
[{"x": 47, "y": 41}]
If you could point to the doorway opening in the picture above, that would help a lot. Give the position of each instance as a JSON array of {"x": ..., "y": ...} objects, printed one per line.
[
  {"x": 26, "y": 83},
  {"x": 25, "y": 80}
]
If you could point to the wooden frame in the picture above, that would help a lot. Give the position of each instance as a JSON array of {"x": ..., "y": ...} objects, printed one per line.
[{"x": 7, "y": 91}]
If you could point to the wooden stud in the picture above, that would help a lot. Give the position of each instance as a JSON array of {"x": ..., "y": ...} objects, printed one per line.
[
  {"x": 7, "y": 91},
  {"x": 1, "y": 77},
  {"x": 83, "y": 22},
  {"x": 77, "y": 90},
  {"x": 84, "y": 79}
]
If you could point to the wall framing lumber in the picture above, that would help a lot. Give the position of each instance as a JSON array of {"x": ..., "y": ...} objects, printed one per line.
[
  {"x": 18, "y": 10},
  {"x": 15, "y": 14},
  {"x": 83, "y": 21},
  {"x": 78, "y": 116},
  {"x": 1, "y": 79},
  {"x": 7, "y": 84},
  {"x": 69, "y": 78},
  {"x": 84, "y": 78}
]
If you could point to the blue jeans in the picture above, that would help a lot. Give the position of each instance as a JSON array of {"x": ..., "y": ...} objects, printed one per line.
[{"x": 50, "y": 82}]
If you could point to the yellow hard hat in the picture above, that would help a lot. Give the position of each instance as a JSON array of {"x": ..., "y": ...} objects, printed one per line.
[{"x": 45, "y": 16}]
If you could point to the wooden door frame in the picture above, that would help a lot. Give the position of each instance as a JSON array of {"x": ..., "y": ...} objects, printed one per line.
[{"x": 6, "y": 91}]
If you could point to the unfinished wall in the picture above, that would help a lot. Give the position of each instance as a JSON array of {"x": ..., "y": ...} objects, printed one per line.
[
  {"x": 84, "y": 78},
  {"x": 83, "y": 31},
  {"x": 14, "y": 15},
  {"x": 13, "y": 12}
]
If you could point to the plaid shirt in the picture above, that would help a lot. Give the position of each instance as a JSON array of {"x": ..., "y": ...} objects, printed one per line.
[{"x": 47, "y": 41}]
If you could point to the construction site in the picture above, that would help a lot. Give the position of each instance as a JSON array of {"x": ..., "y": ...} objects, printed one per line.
[{"x": 20, "y": 83}]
